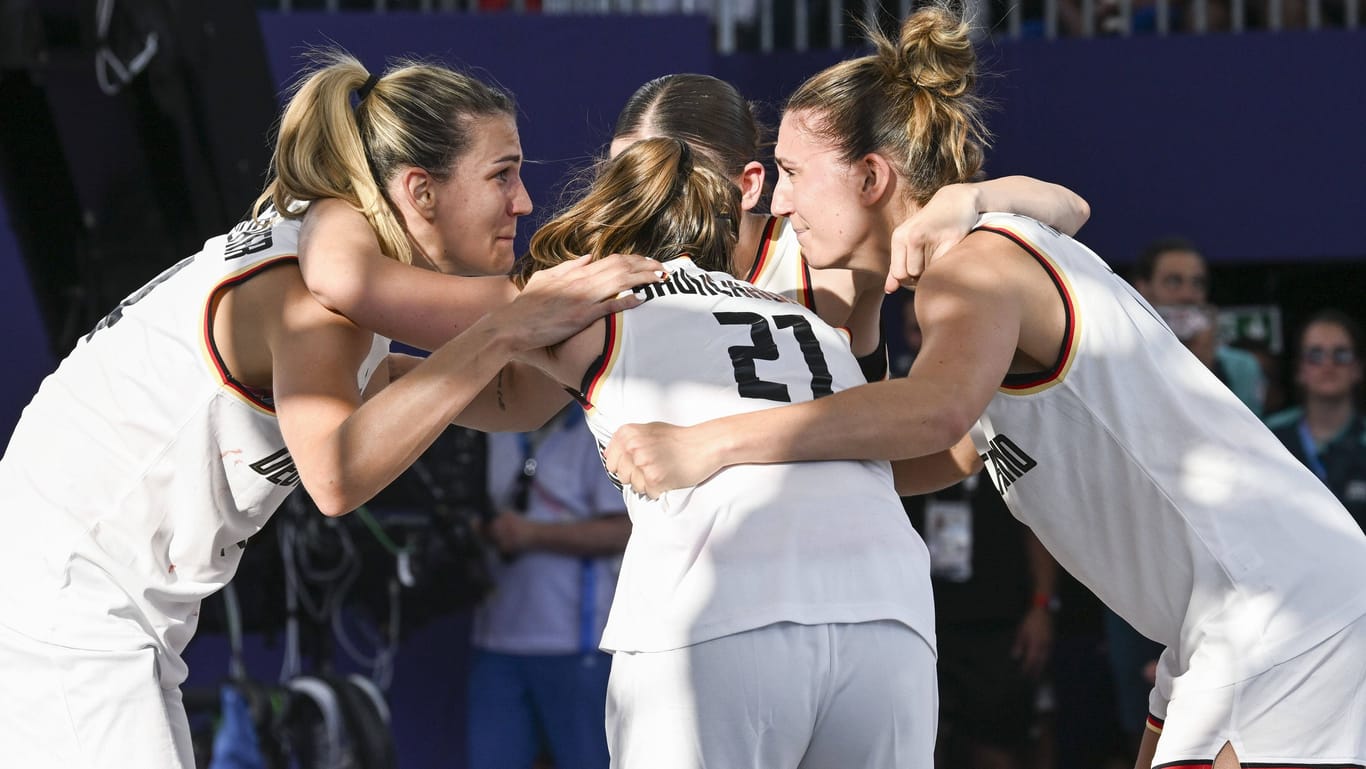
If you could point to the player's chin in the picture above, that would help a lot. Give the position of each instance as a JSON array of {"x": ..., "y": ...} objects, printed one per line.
[
  {"x": 823, "y": 259},
  {"x": 504, "y": 256}
]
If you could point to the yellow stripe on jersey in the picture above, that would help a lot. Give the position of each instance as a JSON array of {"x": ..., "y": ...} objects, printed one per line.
[
  {"x": 1072, "y": 333},
  {"x": 602, "y": 367},
  {"x": 210, "y": 351}
]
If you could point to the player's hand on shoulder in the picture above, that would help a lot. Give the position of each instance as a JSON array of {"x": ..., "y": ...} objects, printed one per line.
[
  {"x": 929, "y": 233},
  {"x": 656, "y": 457},
  {"x": 558, "y": 302}
]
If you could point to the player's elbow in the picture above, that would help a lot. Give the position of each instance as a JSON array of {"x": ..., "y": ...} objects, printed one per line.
[
  {"x": 334, "y": 290},
  {"x": 1079, "y": 215},
  {"x": 333, "y": 504},
  {"x": 949, "y": 425},
  {"x": 331, "y": 494}
]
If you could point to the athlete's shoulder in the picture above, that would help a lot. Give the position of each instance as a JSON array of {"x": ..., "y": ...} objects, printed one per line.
[
  {"x": 1018, "y": 224},
  {"x": 263, "y": 234}
]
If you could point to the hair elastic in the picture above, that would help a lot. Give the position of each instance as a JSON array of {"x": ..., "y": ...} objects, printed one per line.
[{"x": 365, "y": 89}]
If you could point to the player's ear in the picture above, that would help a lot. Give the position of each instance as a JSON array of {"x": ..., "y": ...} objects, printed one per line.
[
  {"x": 418, "y": 189},
  {"x": 751, "y": 185},
  {"x": 875, "y": 178}
]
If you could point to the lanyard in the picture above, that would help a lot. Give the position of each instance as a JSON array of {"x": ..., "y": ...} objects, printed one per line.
[
  {"x": 588, "y": 573},
  {"x": 1311, "y": 453},
  {"x": 588, "y": 593}
]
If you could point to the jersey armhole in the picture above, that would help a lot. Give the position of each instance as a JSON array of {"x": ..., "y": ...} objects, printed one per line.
[{"x": 1035, "y": 380}]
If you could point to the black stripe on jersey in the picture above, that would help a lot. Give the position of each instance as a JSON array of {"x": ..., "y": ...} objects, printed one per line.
[
  {"x": 1035, "y": 378},
  {"x": 808, "y": 293},
  {"x": 765, "y": 247},
  {"x": 251, "y": 394},
  {"x": 599, "y": 365}
]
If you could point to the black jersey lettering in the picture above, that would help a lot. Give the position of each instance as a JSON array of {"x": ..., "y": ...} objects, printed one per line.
[
  {"x": 278, "y": 468},
  {"x": 116, "y": 314},
  {"x": 1008, "y": 462}
]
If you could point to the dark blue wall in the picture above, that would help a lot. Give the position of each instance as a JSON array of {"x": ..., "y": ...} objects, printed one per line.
[{"x": 1251, "y": 145}]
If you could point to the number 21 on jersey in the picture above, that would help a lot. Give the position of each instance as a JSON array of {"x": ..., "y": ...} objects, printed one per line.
[{"x": 765, "y": 347}]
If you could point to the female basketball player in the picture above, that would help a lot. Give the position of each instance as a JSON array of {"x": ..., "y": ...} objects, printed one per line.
[
  {"x": 1145, "y": 477},
  {"x": 178, "y": 425},
  {"x": 776, "y": 616}
]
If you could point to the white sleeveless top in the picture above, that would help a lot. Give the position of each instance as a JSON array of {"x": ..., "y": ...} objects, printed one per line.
[
  {"x": 818, "y": 542},
  {"x": 779, "y": 267},
  {"x": 141, "y": 468},
  {"x": 1157, "y": 488}
]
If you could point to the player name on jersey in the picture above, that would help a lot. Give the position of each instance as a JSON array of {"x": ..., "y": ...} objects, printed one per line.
[{"x": 710, "y": 284}]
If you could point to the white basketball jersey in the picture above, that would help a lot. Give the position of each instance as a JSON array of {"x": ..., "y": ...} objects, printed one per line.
[
  {"x": 779, "y": 267},
  {"x": 1156, "y": 487},
  {"x": 141, "y": 468},
  {"x": 811, "y": 543}
]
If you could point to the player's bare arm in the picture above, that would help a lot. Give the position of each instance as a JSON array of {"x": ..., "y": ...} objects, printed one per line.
[
  {"x": 531, "y": 390},
  {"x": 948, "y": 217},
  {"x": 345, "y": 271},
  {"x": 932, "y": 472},
  {"x": 346, "y": 450}
]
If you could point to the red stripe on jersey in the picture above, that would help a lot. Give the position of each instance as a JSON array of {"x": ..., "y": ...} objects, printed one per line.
[
  {"x": 1155, "y": 723},
  {"x": 1069, "y": 307},
  {"x": 599, "y": 367},
  {"x": 250, "y": 394},
  {"x": 808, "y": 296},
  {"x": 766, "y": 242}
]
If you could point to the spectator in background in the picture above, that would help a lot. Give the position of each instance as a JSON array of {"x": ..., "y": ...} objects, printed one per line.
[
  {"x": 537, "y": 678},
  {"x": 1327, "y": 431},
  {"x": 1170, "y": 271}
]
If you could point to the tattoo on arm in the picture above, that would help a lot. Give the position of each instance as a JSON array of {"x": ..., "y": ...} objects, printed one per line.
[{"x": 502, "y": 406}]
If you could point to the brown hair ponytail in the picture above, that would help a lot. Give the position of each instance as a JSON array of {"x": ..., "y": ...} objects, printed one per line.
[{"x": 657, "y": 199}]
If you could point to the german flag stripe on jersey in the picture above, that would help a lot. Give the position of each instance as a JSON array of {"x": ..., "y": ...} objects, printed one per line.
[
  {"x": 808, "y": 296},
  {"x": 766, "y": 248},
  {"x": 770, "y": 258},
  {"x": 1030, "y": 383},
  {"x": 1154, "y": 724},
  {"x": 247, "y": 394},
  {"x": 602, "y": 366}
]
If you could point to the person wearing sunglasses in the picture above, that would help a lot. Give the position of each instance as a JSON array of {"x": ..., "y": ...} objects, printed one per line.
[{"x": 1327, "y": 431}]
